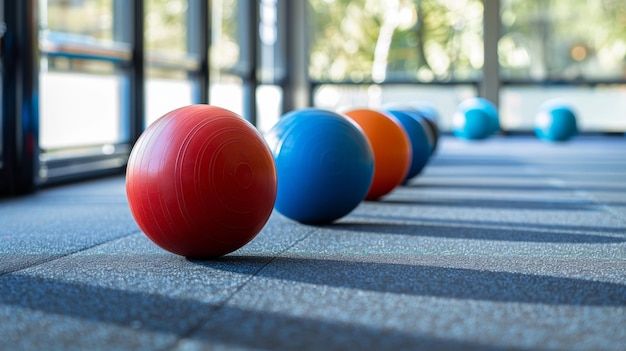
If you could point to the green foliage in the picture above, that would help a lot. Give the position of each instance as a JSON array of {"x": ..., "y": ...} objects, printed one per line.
[
  {"x": 432, "y": 39},
  {"x": 165, "y": 25},
  {"x": 563, "y": 39}
]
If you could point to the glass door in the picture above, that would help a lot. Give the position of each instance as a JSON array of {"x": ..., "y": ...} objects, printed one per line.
[
  {"x": 175, "y": 45},
  {"x": 85, "y": 84}
]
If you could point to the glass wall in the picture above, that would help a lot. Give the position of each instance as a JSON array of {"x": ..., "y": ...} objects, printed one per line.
[
  {"x": 406, "y": 41},
  {"x": 79, "y": 82},
  {"x": 395, "y": 52},
  {"x": 82, "y": 82},
  {"x": 108, "y": 68},
  {"x": 573, "y": 50},
  {"x": 563, "y": 40},
  {"x": 228, "y": 65},
  {"x": 371, "y": 53},
  {"x": 271, "y": 62},
  {"x": 170, "y": 56}
]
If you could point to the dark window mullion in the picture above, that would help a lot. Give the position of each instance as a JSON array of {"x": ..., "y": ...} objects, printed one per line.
[
  {"x": 20, "y": 89},
  {"x": 248, "y": 41},
  {"x": 198, "y": 27}
]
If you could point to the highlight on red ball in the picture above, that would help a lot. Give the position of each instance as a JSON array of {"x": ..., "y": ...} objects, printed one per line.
[{"x": 201, "y": 181}]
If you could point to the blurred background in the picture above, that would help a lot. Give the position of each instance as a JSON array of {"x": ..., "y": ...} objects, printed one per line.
[{"x": 81, "y": 79}]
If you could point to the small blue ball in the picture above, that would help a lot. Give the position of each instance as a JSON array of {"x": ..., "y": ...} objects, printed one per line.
[
  {"x": 421, "y": 146},
  {"x": 472, "y": 122},
  {"x": 485, "y": 105},
  {"x": 492, "y": 111},
  {"x": 324, "y": 165},
  {"x": 555, "y": 122}
]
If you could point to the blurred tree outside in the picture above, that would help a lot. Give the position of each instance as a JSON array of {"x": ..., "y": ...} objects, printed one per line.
[
  {"x": 441, "y": 40},
  {"x": 165, "y": 26},
  {"x": 400, "y": 40},
  {"x": 395, "y": 40},
  {"x": 91, "y": 19},
  {"x": 224, "y": 51},
  {"x": 563, "y": 39}
]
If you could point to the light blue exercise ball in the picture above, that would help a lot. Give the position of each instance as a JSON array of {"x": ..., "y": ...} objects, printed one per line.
[{"x": 555, "y": 122}]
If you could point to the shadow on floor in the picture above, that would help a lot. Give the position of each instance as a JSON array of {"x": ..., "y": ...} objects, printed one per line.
[
  {"x": 475, "y": 233},
  {"x": 362, "y": 221},
  {"x": 206, "y": 323},
  {"x": 442, "y": 282},
  {"x": 575, "y": 205},
  {"x": 417, "y": 185}
]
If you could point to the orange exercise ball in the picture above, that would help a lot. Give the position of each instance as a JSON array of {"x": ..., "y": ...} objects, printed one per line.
[{"x": 391, "y": 146}]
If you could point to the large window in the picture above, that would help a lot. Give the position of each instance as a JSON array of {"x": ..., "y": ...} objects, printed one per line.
[
  {"x": 372, "y": 53},
  {"x": 563, "y": 40},
  {"x": 574, "y": 50},
  {"x": 406, "y": 41},
  {"x": 386, "y": 51},
  {"x": 102, "y": 70},
  {"x": 82, "y": 86},
  {"x": 171, "y": 56},
  {"x": 247, "y": 58},
  {"x": 229, "y": 59},
  {"x": 109, "y": 68}
]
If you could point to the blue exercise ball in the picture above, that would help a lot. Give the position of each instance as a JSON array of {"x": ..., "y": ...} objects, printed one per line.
[
  {"x": 421, "y": 146},
  {"x": 486, "y": 105},
  {"x": 427, "y": 113},
  {"x": 430, "y": 118},
  {"x": 324, "y": 165},
  {"x": 492, "y": 111},
  {"x": 472, "y": 122},
  {"x": 555, "y": 122}
]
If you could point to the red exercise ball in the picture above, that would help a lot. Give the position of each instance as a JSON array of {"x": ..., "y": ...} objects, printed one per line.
[
  {"x": 391, "y": 147},
  {"x": 201, "y": 181}
]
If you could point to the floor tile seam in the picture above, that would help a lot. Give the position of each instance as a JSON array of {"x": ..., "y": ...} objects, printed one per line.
[
  {"x": 562, "y": 184},
  {"x": 62, "y": 256},
  {"x": 219, "y": 306},
  {"x": 605, "y": 207},
  {"x": 585, "y": 196}
]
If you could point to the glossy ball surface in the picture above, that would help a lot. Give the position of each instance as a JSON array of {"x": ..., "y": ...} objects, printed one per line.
[
  {"x": 431, "y": 116},
  {"x": 473, "y": 120},
  {"x": 391, "y": 147},
  {"x": 485, "y": 105},
  {"x": 324, "y": 164},
  {"x": 421, "y": 147},
  {"x": 201, "y": 181},
  {"x": 555, "y": 122},
  {"x": 427, "y": 113}
]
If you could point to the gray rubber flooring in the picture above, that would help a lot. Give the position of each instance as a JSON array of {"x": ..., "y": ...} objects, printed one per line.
[{"x": 506, "y": 244}]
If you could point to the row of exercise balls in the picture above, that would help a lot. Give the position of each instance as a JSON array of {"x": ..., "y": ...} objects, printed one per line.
[
  {"x": 202, "y": 181},
  {"x": 328, "y": 162},
  {"x": 478, "y": 119}
]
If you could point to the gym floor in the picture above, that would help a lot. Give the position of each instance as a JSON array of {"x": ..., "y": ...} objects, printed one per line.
[{"x": 506, "y": 244}]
